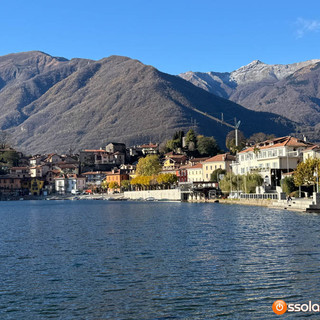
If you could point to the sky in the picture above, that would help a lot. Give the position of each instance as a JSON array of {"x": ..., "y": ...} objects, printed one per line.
[{"x": 174, "y": 36}]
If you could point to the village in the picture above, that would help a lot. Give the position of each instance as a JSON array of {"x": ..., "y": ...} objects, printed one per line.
[{"x": 257, "y": 171}]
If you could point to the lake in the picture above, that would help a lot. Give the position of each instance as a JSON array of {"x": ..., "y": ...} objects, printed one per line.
[{"x": 154, "y": 260}]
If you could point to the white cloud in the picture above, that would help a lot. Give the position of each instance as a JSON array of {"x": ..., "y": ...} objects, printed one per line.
[{"x": 305, "y": 26}]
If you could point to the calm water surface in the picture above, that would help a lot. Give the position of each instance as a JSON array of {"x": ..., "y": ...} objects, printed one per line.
[{"x": 130, "y": 260}]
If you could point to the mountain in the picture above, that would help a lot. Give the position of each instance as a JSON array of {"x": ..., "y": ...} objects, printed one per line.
[
  {"x": 51, "y": 104},
  {"x": 292, "y": 90}
]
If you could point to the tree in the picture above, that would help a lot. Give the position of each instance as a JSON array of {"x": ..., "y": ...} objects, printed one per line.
[
  {"x": 305, "y": 172},
  {"x": 288, "y": 185},
  {"x": 231, "y": 141},
  {"x": 259, "y": 137},
  {"x": 207, "y": 146},
  {"x": 250, "y": 181},
  {"x": 167, "y": 179},
  {"x": 125, "y": 184},
  {"x": 230, "y": 182},
  {"x": 246, "y": 183},
  {"x": 191, "y": 140},
  {"x": 216, "y": 173},
  {"x": 4, "y": 140},
  {"x": 149, "y": 165},
  {"x": 104, "y": 185},
  {"x": 113, "y": 185}
]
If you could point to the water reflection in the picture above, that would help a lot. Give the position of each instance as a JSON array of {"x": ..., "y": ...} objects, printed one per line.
[{"x": 101, "y": 260}]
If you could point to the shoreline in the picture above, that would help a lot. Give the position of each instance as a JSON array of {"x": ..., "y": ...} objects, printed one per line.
[{"x": 269, "y": 203}]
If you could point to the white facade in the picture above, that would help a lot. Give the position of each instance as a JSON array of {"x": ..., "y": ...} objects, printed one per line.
[
  {"x": 69, "y": 185},
  {"x": 195, "y": 173},
  {"x": 270, "y": 158}
]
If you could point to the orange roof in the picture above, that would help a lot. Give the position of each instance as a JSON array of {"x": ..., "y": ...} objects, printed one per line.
[
  {"x": 279, "y": 142},
  {"x": 221, "y": 157},
  {"x": 150, "y": 145},
  {"x": 91, "y": 172},
  {"x": 196, "y": 166},
  {"x": 315, "y": 147},
  {"x": 198, "y": 159}
]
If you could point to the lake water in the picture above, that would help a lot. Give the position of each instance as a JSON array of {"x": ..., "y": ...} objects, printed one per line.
[{"x": 138, "y": 260}]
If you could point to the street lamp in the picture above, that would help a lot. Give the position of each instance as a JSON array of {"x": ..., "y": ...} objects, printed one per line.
[{"x": 316, "y": 174}]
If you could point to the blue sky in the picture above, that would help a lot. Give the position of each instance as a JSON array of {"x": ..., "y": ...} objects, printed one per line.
[{"x": 174, "y": 36}]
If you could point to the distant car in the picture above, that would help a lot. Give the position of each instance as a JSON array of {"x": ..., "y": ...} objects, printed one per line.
[{"x": 75, "y": 191}]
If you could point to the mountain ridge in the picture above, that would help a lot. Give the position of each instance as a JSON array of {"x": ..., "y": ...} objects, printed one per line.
[
  {"x": 50, "y": 104},
  {"x": 270, "y": 88}
]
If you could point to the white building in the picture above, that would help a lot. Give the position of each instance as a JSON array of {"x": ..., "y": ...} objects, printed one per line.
[
  {"x": 194, "y": 173},
  {"x": 69, "y": 184},
  {"x": 271, "y": 158},
  {"x": 312, "y": 152}
]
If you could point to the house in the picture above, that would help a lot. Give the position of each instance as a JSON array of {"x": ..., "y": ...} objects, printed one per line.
[
  {"x": 101, "y": 157},
  {"x": 220, "y": 161},
  {"x": 173, "y": 161},
  {"x": 182, "y": 173},
  {"x": 311, "y": 152},
  {"x": 20, "y": 172},
  {"x": 36, "y": 160},
  {"x": 10, "y": 184},
  {"x": 94, "y": 178},
  {"x": 271, "y": 158},
  {"x": 70, "y": 183},
  {"x": 36, "y": 186},
  {"x": 195, "y": 173},
  {"x": 150, "y": 148},
  {"x": 68, "y": 167},
  {"x": 53, "y": 158},
  {"x": 117, "y": 175},
  {"x": 194, "y": 161},
  {"x": 114, "y": 147},
  {"x": 39, "y": 171}
]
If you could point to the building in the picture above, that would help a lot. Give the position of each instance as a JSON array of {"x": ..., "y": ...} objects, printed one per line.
[
  {"x": 311, "y": 152},
  {"x": 114, "y": 147},
  {"x": 94, "y": 178},
  {"x": 271, "y": 158},
  {"x": 150, "y": 148},
  {"x": 99, "y": 157},
  {"x": 20, "y": 172},
  {"x": 220, "y": 161},
  {"x": 173, "y": 161},
  {"x": 117, "y": 175},
  {"x": 10, "y": 184},
  {"x": 182, "y": 173},
  {"x": 194, "y": 173},
  {"x": 39, "y": 171},
  {"x": 70, "y": 184}
]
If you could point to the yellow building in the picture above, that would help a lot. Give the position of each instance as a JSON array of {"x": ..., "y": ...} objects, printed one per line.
[
  {"x": 35, "y": 186},
  {"x": 220, "y": 161}
]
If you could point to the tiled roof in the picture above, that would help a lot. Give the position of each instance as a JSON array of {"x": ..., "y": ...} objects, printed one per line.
[
  {"x": 150, "y": 145},
  {"x": 196, "y": 166},
  {"x": 279, "y": 142},
  {"x": 91, "y": 172},
  {"x": 221, "y": 157}
]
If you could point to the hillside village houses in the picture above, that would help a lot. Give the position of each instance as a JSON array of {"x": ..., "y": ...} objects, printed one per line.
[
  {"x": 65, "y": 174},
  {"x": 271, "y": 158}
]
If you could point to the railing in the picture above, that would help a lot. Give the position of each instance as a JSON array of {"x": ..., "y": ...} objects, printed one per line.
[{"x": 273, "y": 196}]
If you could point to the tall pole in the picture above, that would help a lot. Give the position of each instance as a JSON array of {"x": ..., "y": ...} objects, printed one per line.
[{"x": 236, "y": 131}]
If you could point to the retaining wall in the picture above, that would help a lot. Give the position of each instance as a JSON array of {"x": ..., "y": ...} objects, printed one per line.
[{"x": 170, "y": 194}]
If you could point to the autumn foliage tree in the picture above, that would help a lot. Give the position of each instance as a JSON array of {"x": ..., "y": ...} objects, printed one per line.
[{"x": 149, "y": 165}]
